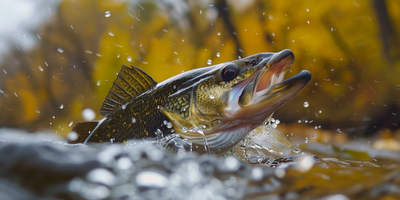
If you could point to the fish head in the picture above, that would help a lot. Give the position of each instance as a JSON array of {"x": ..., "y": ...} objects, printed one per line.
[{"x": 222, "y": 103}]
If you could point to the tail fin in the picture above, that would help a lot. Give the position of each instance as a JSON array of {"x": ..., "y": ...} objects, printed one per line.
[{"x": 83, "y": 129}]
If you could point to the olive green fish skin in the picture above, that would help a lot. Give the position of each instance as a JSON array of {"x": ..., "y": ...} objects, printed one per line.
[{"x": 141, "y": 117}]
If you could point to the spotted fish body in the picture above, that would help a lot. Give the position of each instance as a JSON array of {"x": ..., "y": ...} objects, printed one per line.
[
  {"x": 222, "y": 103},
  {"x": 134, "y": 118}
]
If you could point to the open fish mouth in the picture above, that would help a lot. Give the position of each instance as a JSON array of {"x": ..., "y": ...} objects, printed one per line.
[{"x": 266, "y": 90}]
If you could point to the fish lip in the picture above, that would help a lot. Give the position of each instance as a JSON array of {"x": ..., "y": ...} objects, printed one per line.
[
  {"x": 260, "y": 97},
  {"x": 279, "y": 65},
  {"x": 265, "y": 77},
  {"x": 287, "y": 89}
]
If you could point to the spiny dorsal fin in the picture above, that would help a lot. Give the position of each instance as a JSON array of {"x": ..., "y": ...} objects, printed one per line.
[
  {"x": 83, "y": 129},
  {"x": 130, "y": 83}
]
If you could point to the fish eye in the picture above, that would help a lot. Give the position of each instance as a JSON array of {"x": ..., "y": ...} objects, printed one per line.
[{"x": 229, "y": 72}]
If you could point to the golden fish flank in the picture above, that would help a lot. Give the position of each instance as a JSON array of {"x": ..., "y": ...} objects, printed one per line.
[{"x": 227, "y": 100}]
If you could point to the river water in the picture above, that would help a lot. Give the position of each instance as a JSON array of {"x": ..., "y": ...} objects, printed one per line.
[{"x": 43, "y": 166}]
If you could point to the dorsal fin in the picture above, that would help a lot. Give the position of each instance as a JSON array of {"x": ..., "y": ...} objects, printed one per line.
[{"x": 130, "y": 83}]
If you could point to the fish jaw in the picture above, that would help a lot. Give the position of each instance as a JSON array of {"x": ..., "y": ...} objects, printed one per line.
[
  {"x": 262, "y": 94},
  {"x": 265, "y": 102}
]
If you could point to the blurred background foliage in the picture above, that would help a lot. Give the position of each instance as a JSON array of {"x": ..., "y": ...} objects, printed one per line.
[{"x": 351, "y": 48}]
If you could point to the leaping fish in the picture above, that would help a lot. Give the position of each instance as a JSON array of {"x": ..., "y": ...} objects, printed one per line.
[{"x": 226, "y": 101}]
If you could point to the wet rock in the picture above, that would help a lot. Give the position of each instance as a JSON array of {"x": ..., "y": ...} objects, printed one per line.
[{"x": 38, "y": 166}]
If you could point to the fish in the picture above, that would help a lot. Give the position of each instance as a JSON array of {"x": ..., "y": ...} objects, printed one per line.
[{"x": 216, "y": 105}]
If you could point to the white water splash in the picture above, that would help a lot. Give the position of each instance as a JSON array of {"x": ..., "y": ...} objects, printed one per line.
[{"x": 199, "y": 130}]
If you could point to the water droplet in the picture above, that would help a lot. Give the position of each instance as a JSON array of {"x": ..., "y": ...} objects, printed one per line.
[
  {"x": 184, "y": 129},
  {"x": 124, "y": 163},
  {"x": 107, "y": 14},
  {"x": 280, "y": 173},
  {"x": 111, "y": 33},
  {"x": 314, "y": 136},
  {"x": 151, "y": 179},
  {"x": 320, "y": 111},
  {"x": 129, "y": 59},
  {"x": 101, "y": 176},
  {"x": 305, "y": 104},
  {"x": 61, "y": 106},
  {"x": 304, "y": 163},
  {"x": 54, "y": 117},
  {"x": 296, "y": 150},
  {"x": 209, "y": 62},
  {"x": 212, "y": 96},
  {"x": 299, "y": 121},
  {"x": 306, "y": 141},
  {"x": 270, "y": 17},
  {"x": 232, "y": 164},
  {"x": 88, "y": 114},
  {"x": 257, "y": 173},
  {"x": 70, "y": 124},
  {"x": 169, "y": 125},
  {"x": 60, "y": 50},
  {"x": 308, "y": 21},
  {"x": 165, "y": 122},
  {"x": 307, "y": 10},
  {"x": 218, "y": 54},
  {"x": 123, "y": 106},
  {"x": 72, "y": 136},
  {"x": 40, "y": 68},
  {"x": 37, "y": 111},
  {"x": 98, "y": 83},
  {"x": 218, "y": 33},
  {"x": 277, "y": 121},
  {"x": 133, "y": 120}
]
